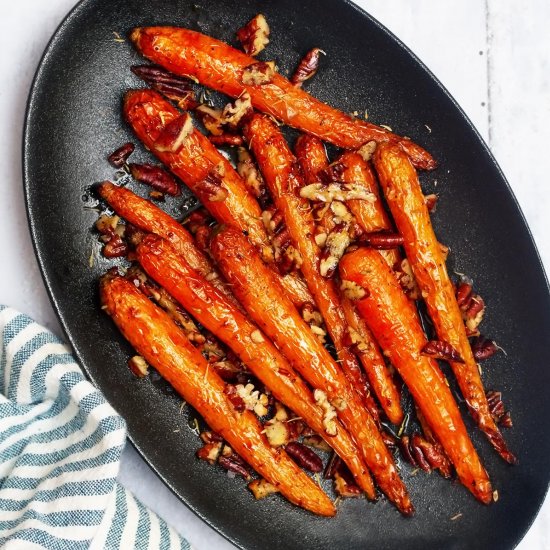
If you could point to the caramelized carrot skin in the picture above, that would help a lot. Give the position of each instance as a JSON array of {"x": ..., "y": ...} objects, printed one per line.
[
  {"x": 154, "y": 335},
  {"x": 219, "y": 66},
  {"x": 278, "y": 166},
  {"x": 263, "y": 299},
  {"x": 394, "y": 322},
  {"x": 225, "y": 321},
  {"x": 405, "y": 199},
  {"x": 312, "y": 157},
  {"x": 148, "y": 113}
]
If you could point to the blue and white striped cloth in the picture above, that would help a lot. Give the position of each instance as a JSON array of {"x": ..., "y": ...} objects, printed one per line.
[{"x": 60, "y": 447}]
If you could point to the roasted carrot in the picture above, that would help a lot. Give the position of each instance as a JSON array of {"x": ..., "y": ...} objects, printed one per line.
[
  {"x": 264, "y": 300},
  {"x": 394, "y": 322},
  {"x": 403, "y": 193},
  {"x": 219, "y": 66},
  {"x": 164, "y": 346},
  {"x": 224, "y": 320},
  {"x": 312, "y": 158},
  {"x": 199, "y": 165},
  {"x": 278, "y": 166},
  {"x": 370, "y": 215}
]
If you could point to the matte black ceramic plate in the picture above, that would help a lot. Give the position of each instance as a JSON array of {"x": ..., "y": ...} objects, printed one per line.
[{"x": 74, "y": 122}]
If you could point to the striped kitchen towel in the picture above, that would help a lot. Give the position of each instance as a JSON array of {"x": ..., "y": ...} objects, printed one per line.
[{"x": 60, "y": 447}]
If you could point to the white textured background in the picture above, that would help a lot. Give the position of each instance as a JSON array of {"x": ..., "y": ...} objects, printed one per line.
[{"x": 492, "y": 55}]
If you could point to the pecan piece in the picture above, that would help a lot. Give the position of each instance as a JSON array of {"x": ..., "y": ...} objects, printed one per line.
[
  {"x": 261, "y": 488},
  {"x": 438, "y": 349},
  {"x": 254, "y": 36},
  {"x": 253, "y": 180},
  {"x": 210, "y": 451},
  {"x": 173, "y": 135},
  {"x": 329, "y": 412},
  {"x": 323, "y": 192},
  {"x": 115, "y": 247},
  {"x": 345, "y": 487},
  {"x": 170, "y": 85},
  {"x": 431, "y": 202},
  {"x": 236, "y": 113},
  {"x": 234, "y": 464},
  {"x": 352, "y": 290},
  {"x": 119, "y": 157},
  {"x": 258, "y": 74},
  {"x": 473, "y": 313},
  {"x": 210, "y": 188},
  {"x": 496, "y": 408},
  {"x": 406, "y": 279},
  {"x": 333, "y": 173},
  {"x": 304, "y": 456},
  {"x": 234, "y": 397},
  {"x": 138, "y": 366},
  {"x": 483, "y": 348},
  {"x": 463, "y": 293},
  {"x": 307, "y": 67},
  {"x": 382, "y": 240},
  {"x": 156, "y": 177},
  {"x": 336, "y": 244},
  {"x": 211, "y": 119}
]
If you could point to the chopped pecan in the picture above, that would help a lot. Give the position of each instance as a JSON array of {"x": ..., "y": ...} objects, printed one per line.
[
  {"x": 258, "y": 74},
  {"x": 483, "y": 348},
  {"x": 233, "y": 396},
  {"x": 277, "y": 429},
  {"x": 210, "y": 189},
  {"x": 254, "y": 36},
  {"x": 407, "y": 280},
  {"x": 211, "y": 119},
  {"x": 253, "y": 399},
  {"x": 173, "y": 135},
  {"x": 210, "y": 451},
  {"x": 323, "y": 192},
  {"x": 344, "y": 487},
  {"x": 473, "y": 314},
  {"x": 333, "y": 173},
  {"x": 438, "y": 349},
  {"x": 138, "y": 366},
  {"x": 366, "y": 151},
  {"x": 329, "y": 417},
  {"x": 156, "y": 177},
  {"x": 496, "y": 408},
  {"x": 209, "y": 436},
  {"x": 234, "y": 464},
  {"x": 382, "y": 240},
  {"x": 234, "y": 140},
  {"x": 251, "y": 175},
  {"x": 304, "y": 456},
  {"x": 119, "y": 157},
  {"x": 234, "y": 114},
  {"x": 463, "y": 293},
  {"x": 335, "y": 246},
  {"x": 352, "y": 290},
  {"x": 172, "y": 86},
  {"x": 431, "y": 202},
  {"x": 115, "y": 247},
  {"x": 261, "y": 488},
  {"x": 307, "y": 67}
]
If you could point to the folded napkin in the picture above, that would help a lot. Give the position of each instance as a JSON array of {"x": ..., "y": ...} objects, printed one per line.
[{"x": 60, "y": 447}]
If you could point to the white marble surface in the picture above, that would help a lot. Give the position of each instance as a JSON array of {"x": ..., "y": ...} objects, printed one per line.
[{"x": 492, "y": 55}]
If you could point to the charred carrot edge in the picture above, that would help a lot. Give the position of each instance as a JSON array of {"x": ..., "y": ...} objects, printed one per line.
[
  {"x": 164, "y": 346},
  {"x": 226, "y": 322},
  {"x": 219, "y": 66},
  {"x": 312, "y": 158},
  {"x": 394, "y": 322},
  {"x": 371, "y": 216},
  {"x": 265, "y": 302},
  {"x": 405, "y": 199},
  {"x": 278, "y": 167},
  {"x": 148, "y": 113}
]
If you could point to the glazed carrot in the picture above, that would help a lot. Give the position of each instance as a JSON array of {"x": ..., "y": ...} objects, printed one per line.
[
  {"x": 312, "y": 157},
  {"x": 148, "y": 113},
  {"x": 219, "y": 66},
  {"x": 265, "y": 302},
  {"x": 144, "y": 215},
  {"x": 164, "y": 346},
  {"x": 370, "y": 215},
  {"x": 394, "y": 322},
  {"x": 278, "y": 167},
  {"x": 225, "y": 321},
  {"x": 403, "y": 193}
]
